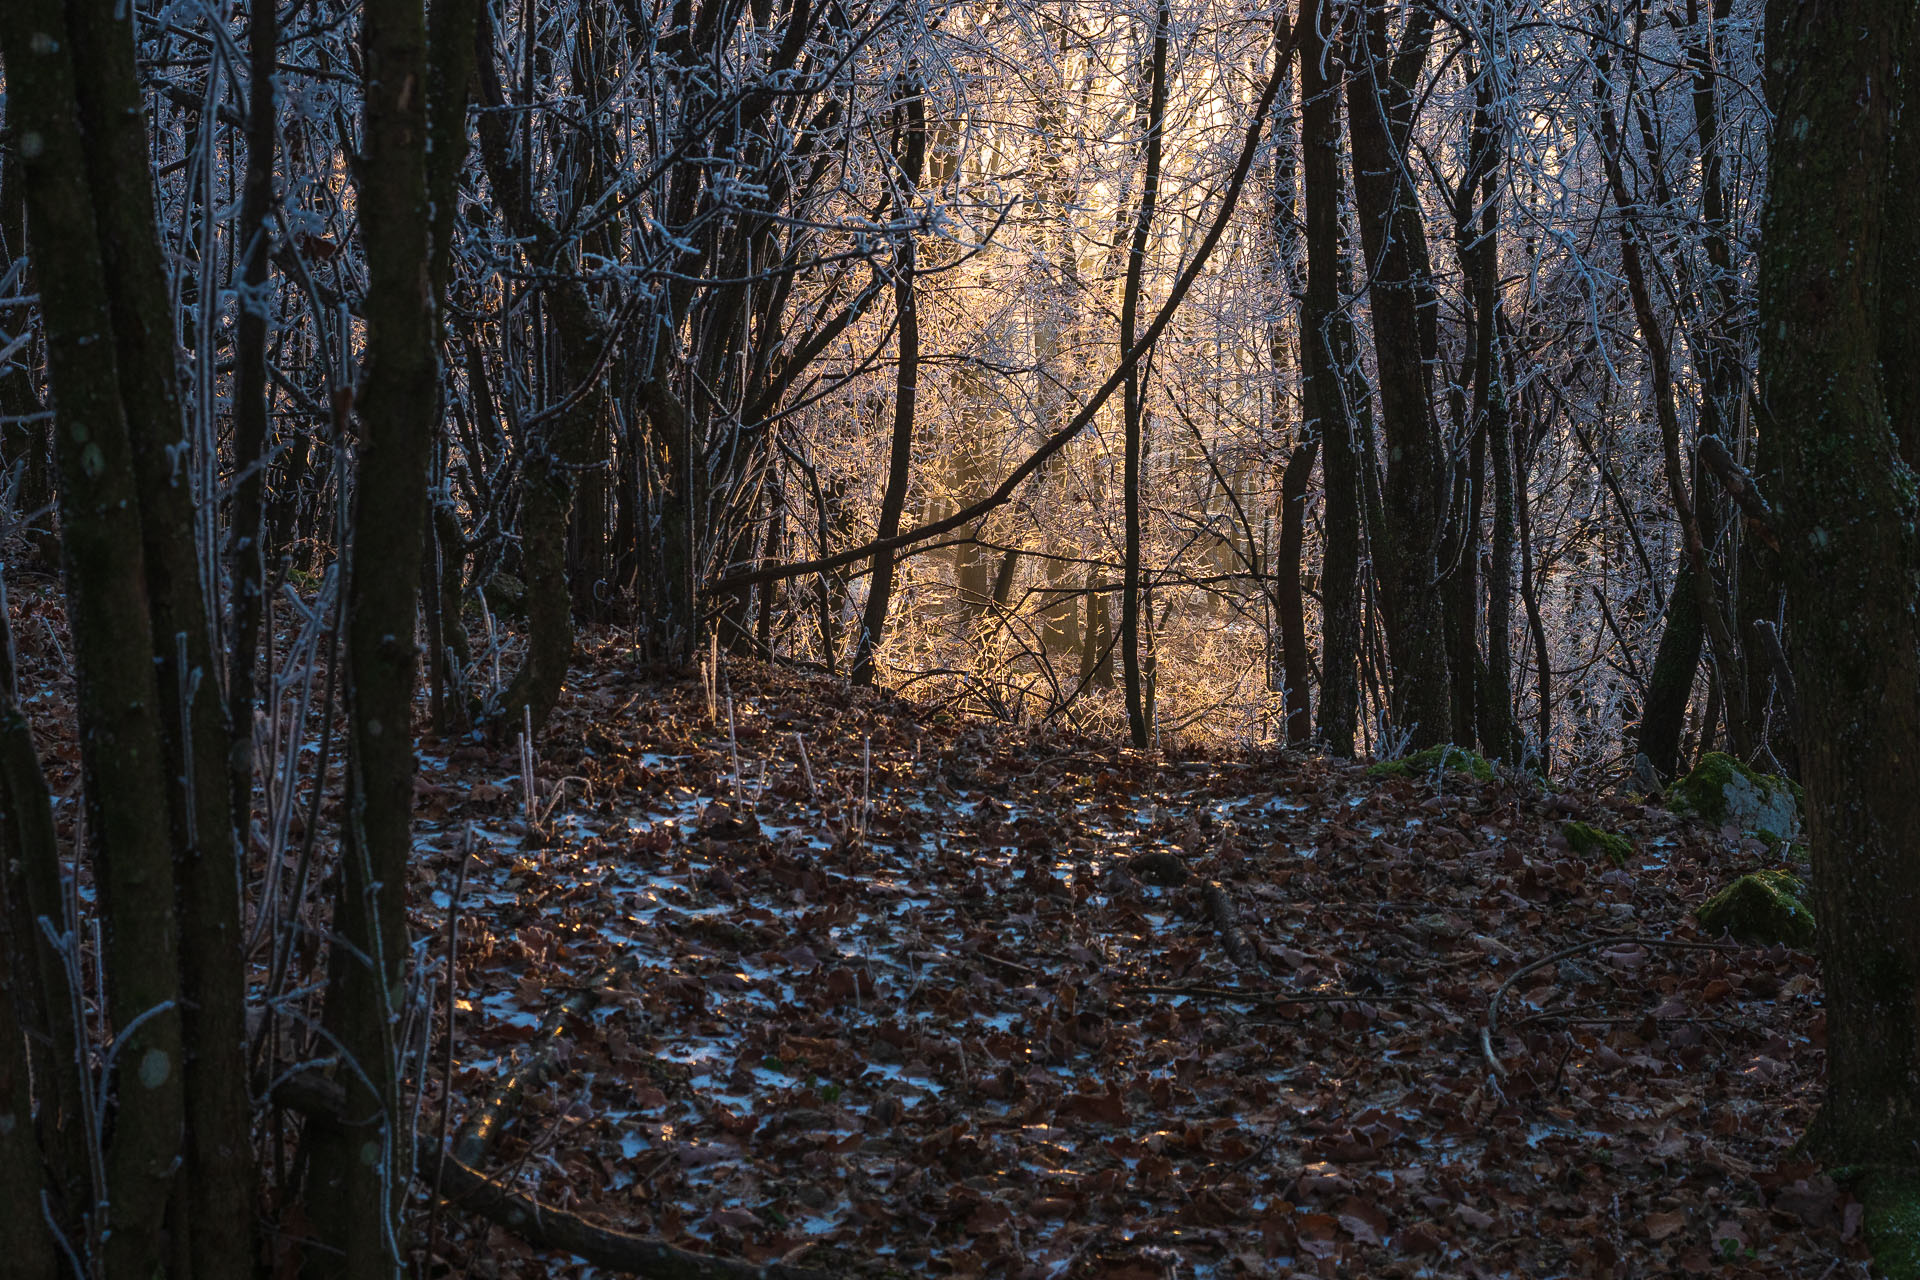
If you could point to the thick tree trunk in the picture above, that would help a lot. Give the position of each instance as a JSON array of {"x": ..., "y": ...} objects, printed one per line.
[
  {"x": 194, "y": 725},
  {"x": 1405, "y": 334},
  {"x": 120, "y": 735},
  {"x": 360, "y": 1167},
  {"x": 1833, "y": 318}
]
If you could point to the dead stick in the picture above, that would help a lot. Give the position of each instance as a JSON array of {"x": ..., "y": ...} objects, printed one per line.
[
  {"x": 1492, "y": 1026},
  {"x": 1231, "y": 939},
  {"x": 484, "y": 1125},
  {"x": 543, "y": 1226}
]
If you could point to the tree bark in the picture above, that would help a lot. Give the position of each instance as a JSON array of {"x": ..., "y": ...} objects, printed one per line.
[
  {"x": 1834, "y": 314},
  {"x": 1326, "y": 349},
  {"x": 873, "y": 623},
  {"x": 1139, "y": 726},
  {"x": 195, "y": 730},
  {"x": 1406, "y": 341},
  {"x": 250, "y": 408},
  {"x": 26, "y": 994},
  {"x": 121, "y": 744},
  {"x": 360, "y": 1165}
]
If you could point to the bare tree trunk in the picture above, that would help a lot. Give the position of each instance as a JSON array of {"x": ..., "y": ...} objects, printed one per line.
[
  {"x": 893, "y": 502},
  {"x": 250, "y": 409},
  {"x": 121, "y": 743},
  {"x": 1405, "y": 331},
  {"x": 1326, "y": 348},
  {"x": 36, "y": 1031},
  {"x": 360, "y": 1166},
  {"x": 1154, "y": 119},
  {"x": 1834, "y": 317},
  {"x": 1724, "y": 648}
]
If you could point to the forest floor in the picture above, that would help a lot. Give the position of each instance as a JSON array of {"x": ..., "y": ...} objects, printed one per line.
[
  {"x": 858, "y": 986},
  {"x": 924, "y": 997}
]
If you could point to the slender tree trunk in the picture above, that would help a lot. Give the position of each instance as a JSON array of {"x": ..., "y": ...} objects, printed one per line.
[
  {"x": 1724, "y": 649},
  {"x": 1326, "y": 348},
  {"x": 893, "y": 502},
  {"x": 360, "y": 1165},
  {"x": 1139, "y": 726},
  {"x": 1670, "y": 686},
  {"x": 1296, "y": 662},
  {"x": 1835, "y": 317},
  {"x": 250, "y": 408},
  {"x": 1497, "y": 730}
]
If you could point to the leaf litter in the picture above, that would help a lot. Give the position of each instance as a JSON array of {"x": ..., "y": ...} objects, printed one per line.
[{"x": 908, "y": 995}]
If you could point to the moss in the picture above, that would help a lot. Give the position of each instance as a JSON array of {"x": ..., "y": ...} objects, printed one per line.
[
  {"x": 1722, "y": 789},
  {"x": 1590, "y": 841},
  {"x": 1892, "y": 1201},
  {"x": 1763, "y": 907},
  {"x": 1431, "y": 760}
]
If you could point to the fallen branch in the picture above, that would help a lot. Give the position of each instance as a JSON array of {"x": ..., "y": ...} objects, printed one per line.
[
  {"x": 539, "y": 1225},
  {"x": 1278, "y": 997},
  {"x": 1492, "y": 1025},
  {"x": 1232, "y": 941},
  {"x": 545, "y": 1227},
  {"x": 535, "y": 1065}
]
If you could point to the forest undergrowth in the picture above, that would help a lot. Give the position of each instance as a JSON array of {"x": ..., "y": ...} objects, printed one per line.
[{"x": 811, "y": 976}]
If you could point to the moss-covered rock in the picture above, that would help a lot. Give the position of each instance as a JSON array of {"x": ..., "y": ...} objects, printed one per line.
[
  {"x": 1591, "y": 842},
  {"x": 1763, "y": 907},
  {"x": 1431, "y": 760},
  {"x": 507, "y": 595},
  {"x": 1723, "y": 790}
]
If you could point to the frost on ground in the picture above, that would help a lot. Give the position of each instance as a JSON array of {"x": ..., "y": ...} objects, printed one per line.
[{"x": 904, "y": 1006}]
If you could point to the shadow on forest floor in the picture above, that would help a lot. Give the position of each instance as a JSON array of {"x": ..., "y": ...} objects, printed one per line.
[{"x": 965, "y": 1028}]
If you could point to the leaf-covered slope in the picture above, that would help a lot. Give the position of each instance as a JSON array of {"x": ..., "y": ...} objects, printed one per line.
[{"x": 902, "y": 1005}]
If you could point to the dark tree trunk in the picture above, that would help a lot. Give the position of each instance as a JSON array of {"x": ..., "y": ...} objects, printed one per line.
[
  {"x": 194, "y": 728},
  {"x": 250, "y": 409},
  {"x": 1133, "y": 676},
  {"x": 1694, "y": 525},
  {"x": 1326, "y": 349},
  {"x": 1296, "y": 662},
  {"x": 1405, "y": 333},
  {"x": 1834, "y": 318},
  {"x": 360, "y": 1164},
  {"x": 36, "y": 1033},
  {"x": 1670, "y": 687},
  {"x": 873, "y": 623},
  {"x": 121, "y": 744}
]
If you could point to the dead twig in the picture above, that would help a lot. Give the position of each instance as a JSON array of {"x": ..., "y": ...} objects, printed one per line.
[{"x": 1491, "y": 1027}]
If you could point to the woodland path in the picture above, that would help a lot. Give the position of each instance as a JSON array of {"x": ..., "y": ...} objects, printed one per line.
[{"x": 970, "y": 1028}]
